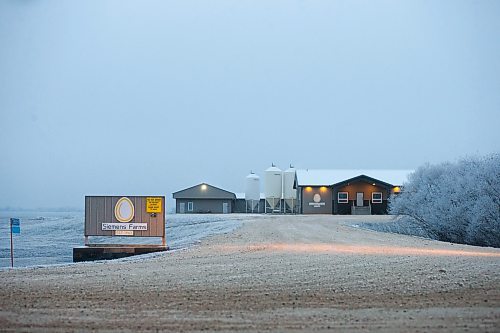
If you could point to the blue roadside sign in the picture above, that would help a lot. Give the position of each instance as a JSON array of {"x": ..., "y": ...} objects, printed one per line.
[{"x": 15, "y": 224}]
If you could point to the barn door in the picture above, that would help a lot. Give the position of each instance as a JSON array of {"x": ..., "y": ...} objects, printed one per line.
[
  {"x": 225, "y": 208},
  {"x": 182, "y": 208}
]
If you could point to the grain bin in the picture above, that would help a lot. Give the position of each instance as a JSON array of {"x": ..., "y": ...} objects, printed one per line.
[
  {"x": 289, "y": 193},
  {"x": 273, "y": 188},
  {"x": 252, "y": 192}
]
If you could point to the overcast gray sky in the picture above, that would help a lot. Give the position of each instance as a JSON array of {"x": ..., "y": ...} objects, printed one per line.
[{"x": 149, "y": 97}]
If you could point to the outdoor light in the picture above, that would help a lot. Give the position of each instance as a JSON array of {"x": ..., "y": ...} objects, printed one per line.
[
  {"x": 322, "y": 189},
  {"x": 203, "y": 187},
  {"x": 309, "y": 189}
]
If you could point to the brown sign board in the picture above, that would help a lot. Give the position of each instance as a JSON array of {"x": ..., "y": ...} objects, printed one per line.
[{"x": 139, "y": 216}]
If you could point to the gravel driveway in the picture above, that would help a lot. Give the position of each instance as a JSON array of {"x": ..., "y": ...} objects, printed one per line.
[{"x": 275, "y": 273}]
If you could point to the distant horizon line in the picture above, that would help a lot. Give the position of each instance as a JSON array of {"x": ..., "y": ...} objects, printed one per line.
[{"x": 42, "y": 209}]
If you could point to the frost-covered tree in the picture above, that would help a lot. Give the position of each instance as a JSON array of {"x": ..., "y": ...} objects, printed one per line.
[
  {"x": 484, "y": 212},
  {"x": 455, "y": 202}
]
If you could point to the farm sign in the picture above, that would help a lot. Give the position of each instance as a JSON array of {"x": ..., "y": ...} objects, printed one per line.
[{"x": 125, "y": 216}]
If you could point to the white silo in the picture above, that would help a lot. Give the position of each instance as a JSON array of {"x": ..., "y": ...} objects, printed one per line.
[
  {"x": 273, "y": 188},
  {"x": 252, "y": 192},
  {"x": 289, "y": 193}
]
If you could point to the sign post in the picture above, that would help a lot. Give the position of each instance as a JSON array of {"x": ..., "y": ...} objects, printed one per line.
[{"x": 15, "y": 228}]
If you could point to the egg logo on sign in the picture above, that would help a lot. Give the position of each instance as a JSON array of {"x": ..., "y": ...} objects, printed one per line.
[
  {"x": 124, "y": 210},
  {"x": 317, "y": 198}
]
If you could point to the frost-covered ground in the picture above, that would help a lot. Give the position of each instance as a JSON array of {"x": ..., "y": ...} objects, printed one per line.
[
  {"x": 302, "y": 273},
  {"x": 398, "y": 225},
  {"x": 48, "y": 238}
]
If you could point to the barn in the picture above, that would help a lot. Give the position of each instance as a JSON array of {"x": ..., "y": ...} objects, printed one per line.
[
  {"x": 346, "y": 192},
  {"x": 356, "y": 192},
  {"x": 204, "y": 198}
]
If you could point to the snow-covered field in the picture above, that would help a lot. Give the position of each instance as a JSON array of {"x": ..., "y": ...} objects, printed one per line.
[{"x": 48, "y": 238}]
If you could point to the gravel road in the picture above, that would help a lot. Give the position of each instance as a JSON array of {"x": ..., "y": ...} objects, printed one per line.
[{"x": 275, "y": 273}]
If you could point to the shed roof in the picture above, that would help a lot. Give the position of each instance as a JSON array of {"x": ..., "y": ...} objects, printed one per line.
[
  {"x": 327, "y": 177},
  {"x": 240, "y": 195},
  {"x": 201, "y": 192}
]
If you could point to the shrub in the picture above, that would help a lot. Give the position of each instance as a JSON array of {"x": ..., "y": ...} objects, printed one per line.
[{"x": 455, "y": 202}]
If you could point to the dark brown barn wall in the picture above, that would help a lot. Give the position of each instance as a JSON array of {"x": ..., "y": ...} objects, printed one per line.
[
  {"x": 367, "y": 189},
  {"x": 364, "y": 187}
]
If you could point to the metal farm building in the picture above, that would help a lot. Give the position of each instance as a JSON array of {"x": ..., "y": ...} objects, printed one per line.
[
  {"x": 204, "y": 198},
  {"x": 301, "y": 191},
  {"x": 346, "y": 192}
]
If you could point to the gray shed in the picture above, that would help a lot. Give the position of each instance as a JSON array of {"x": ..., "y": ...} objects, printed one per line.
[{"x": 204, "y": 199}]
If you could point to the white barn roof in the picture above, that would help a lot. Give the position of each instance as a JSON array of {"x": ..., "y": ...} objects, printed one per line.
[{"x": 324, "y": 177}]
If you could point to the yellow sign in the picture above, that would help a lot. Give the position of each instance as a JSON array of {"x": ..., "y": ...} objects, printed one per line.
[{"x": 153, "y": 205}]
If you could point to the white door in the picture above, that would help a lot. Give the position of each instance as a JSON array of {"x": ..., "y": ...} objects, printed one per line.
[
  {"x": 359, "y": 199},
  {"x": 225, "y": 207},
  {"x": 182, "y": 208}
]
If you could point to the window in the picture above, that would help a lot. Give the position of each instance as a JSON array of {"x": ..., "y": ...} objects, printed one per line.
[
  {"x": 343, "y": 197},
  {"x": 190, "y": 206},
  {"x": 377, "y": 197}
]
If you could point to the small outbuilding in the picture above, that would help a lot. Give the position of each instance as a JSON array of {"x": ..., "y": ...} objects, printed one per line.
[{"x": 204, "y": 198}]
